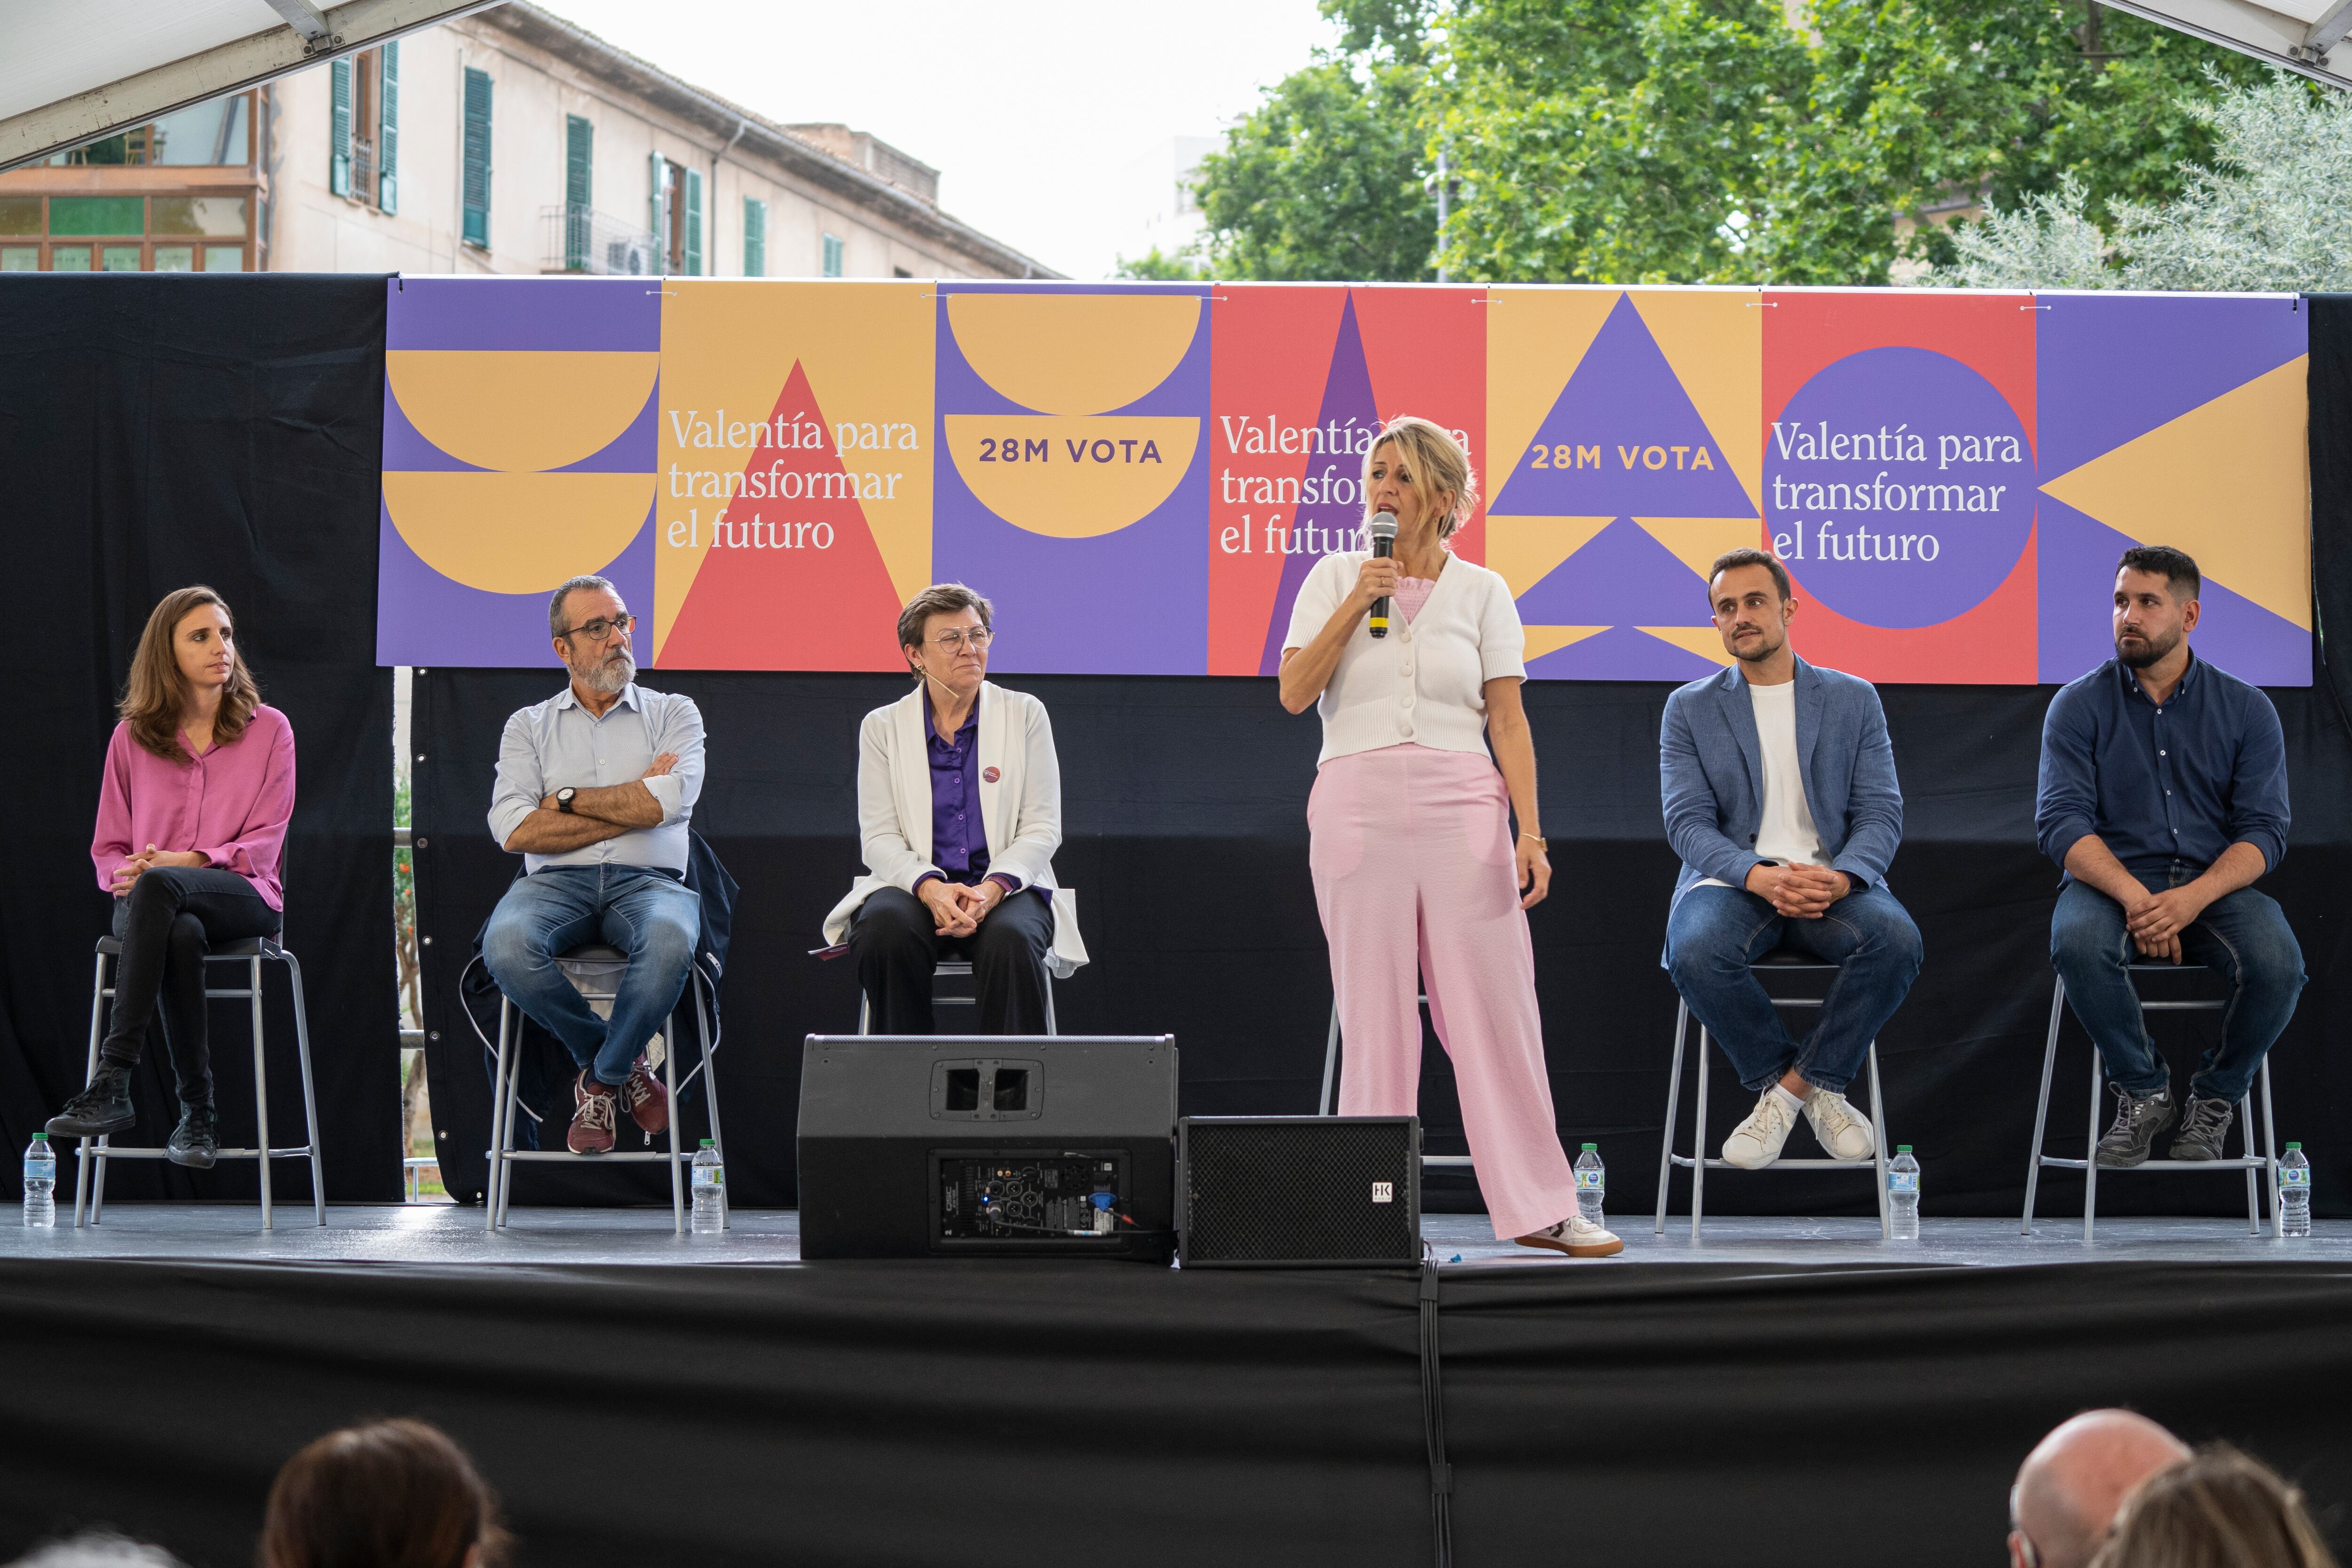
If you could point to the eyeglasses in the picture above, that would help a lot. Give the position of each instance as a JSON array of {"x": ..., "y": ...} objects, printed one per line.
[
  {"x": 602, "y": 631},
  {"x": 954, "y": 642}
]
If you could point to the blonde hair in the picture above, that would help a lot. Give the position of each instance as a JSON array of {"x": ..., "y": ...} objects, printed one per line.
[
  {"x": 155, "y": 698},
  {"x": 2220, "y": 1509},
  {"x": 1436, "y": 466}
]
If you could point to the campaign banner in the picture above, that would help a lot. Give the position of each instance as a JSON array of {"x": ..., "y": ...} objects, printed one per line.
[{"x": 1139, "y": 476}]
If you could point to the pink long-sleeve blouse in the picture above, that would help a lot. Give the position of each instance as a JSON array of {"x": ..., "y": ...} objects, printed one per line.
[{"x": 231, "y": 803}]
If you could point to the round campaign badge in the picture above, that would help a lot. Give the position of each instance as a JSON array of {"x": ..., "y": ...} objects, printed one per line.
[
  {"x": 990, "y": 775},
  {"x": 1900, "y": 487}
]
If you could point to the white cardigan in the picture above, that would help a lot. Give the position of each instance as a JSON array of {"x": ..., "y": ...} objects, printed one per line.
[
  {"x": 1020, "y": 807},
  {"x": 1425, "y": 684}
]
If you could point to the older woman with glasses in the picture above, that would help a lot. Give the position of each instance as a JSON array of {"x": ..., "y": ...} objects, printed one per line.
[
  {"x": 1417, "y": 873},
  {"x": 959, "y": 813}
]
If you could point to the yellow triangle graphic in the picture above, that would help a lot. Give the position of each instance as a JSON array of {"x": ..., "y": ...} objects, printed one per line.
[
  {"x": 2229, "y": 482},
  {"x": 1542, "y": 639},
  {"x": 1524, "y": 550},
  {"x": 1713, "y": 341},
  {"x": 1696, "y": 541},
  {"x": 1534, "y": 339},
  {"x": 1703, "y": 640}
]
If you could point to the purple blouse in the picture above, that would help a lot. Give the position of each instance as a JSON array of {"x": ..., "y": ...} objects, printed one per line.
[
  {"x": 959, "y": 834},
  {"x": 231, "y": 804}
]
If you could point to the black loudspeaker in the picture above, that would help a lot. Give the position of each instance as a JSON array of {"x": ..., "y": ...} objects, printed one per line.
[
  {"x": 987, "y": 1145},
  {"x": 1298, "y": 1191}
]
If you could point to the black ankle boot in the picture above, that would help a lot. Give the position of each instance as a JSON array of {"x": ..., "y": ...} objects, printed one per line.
[
  {"x": 103, "y": 1107},
  {"x": 195, "y": 1141}
]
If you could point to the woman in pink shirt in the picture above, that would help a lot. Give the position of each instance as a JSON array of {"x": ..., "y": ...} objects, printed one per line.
[{"x": 191, "y": 831}]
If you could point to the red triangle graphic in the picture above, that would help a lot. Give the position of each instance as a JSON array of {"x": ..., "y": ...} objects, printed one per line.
[{"x": 793, "y": 579}]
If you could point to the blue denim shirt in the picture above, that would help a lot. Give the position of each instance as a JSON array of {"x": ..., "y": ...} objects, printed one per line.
[{"x": 2181, "y": 782}]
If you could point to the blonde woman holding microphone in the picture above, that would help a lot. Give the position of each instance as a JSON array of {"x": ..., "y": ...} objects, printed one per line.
[{"x": 1417, "y": 871}]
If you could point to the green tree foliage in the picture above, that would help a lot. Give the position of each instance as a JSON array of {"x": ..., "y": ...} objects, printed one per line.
[{"x": 1156, "y": 266}]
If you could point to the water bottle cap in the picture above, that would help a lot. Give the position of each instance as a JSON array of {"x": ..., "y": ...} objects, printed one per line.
[
  {"x": 708, "y": 1144},
  {"x": 1902, "y": 1149},
  {"x": 1594, "y": 1148},
  {"x": 2289, "y": 1145},
  {"x": 44, "y": 1137}
]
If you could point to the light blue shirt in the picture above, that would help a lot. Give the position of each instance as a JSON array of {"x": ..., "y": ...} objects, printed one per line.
[{"x": 558, "y": 743}]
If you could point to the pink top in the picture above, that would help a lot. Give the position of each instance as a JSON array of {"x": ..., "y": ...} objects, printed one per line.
[
  {"x": 231, "y": 803},
  {"x": 1412, "y": 594}
]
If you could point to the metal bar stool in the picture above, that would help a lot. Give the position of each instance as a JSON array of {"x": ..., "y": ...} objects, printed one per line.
[
  {"x": 596, "y": 972},
  {"x": 1780, "y": 960},
  {"x": 2088, "y": 1164},
  {"x": 90, "y": 1179},
  {"x": 1328, "y": 1105},
  {"x": 952, "y": 968}
]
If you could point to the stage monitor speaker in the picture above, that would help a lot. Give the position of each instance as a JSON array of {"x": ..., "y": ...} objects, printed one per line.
[
  {"x": 987, "y": 1145},
  {"x": 1298, "y": 1191}
]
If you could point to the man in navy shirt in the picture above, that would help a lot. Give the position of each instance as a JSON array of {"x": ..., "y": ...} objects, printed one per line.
[{"x": 2163, "y": 795}]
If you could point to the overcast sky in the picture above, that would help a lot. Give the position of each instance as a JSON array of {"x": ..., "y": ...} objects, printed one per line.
[{"x": 1030, "y": 110}]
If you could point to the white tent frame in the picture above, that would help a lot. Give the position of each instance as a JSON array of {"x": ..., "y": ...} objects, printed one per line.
[{"x": 2304, "y": 36}]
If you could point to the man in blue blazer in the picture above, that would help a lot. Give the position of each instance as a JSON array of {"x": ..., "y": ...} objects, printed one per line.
[{"x": 1780, "y": 796}]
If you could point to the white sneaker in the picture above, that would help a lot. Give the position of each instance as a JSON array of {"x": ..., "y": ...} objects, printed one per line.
[
  {"x": 1756, "y": 1143},
  {"x": 1846, "y": 1133},
  {"x": 1578, "y": 1236}
]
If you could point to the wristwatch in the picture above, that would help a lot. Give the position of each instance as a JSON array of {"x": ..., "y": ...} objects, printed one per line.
[{"x": 563, "y": 799}]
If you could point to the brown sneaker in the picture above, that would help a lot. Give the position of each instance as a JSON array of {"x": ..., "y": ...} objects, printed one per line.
[
  {"x": 647, "y": 1100},
  {"x": 591, "y": 1120}
]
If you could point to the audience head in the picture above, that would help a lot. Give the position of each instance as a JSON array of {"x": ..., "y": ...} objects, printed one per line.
[
  {"x": 1748, "y": 591},
  {"x": 1417, "y": 470},
  {"x": 2071, "y": 1484},
  {"x": 188, "y": 651},
  {"x": 943, "y": 634},
  {"x": 2156, "y": 603},
  {"x": 591, "y": 627},
  {"x": 386, "y": 1494},
  {"x": 97, "y": 1549},
  {"x": 2217, "y": 1510}
]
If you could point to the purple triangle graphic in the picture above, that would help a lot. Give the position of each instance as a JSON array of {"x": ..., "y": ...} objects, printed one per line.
[
  {"x": 2110, "y": 369},
  {"x": 1622, "y": 409},
  {"x": 2075, "y": 561},
  {"x": 1622, "y": 576},
  {"x": 1622, "y": 654},
  {"x": 1347, "y": 402}
]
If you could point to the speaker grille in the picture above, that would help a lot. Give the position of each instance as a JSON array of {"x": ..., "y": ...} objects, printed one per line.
[{"x": 1301, "y": 1190}]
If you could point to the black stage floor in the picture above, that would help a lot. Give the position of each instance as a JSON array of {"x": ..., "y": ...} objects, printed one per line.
[{"x": 1785, "y": 1391}]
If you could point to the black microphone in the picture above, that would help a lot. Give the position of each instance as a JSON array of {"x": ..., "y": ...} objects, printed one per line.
[{"x": 1383, "y": 531}]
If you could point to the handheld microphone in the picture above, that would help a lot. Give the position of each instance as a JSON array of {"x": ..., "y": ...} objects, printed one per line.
[{"x": 1384, "y": 531}]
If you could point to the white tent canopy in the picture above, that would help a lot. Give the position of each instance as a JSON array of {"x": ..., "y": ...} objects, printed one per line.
[
  {"x": 74, "y": 70},
  {"x": 2302, "y": 35}
]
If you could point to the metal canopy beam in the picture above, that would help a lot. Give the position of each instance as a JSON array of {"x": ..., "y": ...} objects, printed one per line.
[
  {"x": 248, "y": 62},
  {"x": 2300, "y": 35}
]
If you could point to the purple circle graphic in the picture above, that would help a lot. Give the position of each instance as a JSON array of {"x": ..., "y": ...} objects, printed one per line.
[{"x": 1899, "y": 487}]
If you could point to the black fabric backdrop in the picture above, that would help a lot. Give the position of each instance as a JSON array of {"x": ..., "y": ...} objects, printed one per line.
[
  {"x": 989, "y": 1414},
  {"x": 156, "y": 431}
]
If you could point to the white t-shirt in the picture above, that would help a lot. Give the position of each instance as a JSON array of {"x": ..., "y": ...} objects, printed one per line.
[
  {"x": 1424, "y": 684},
  {"x": 1786, "y": 832}
]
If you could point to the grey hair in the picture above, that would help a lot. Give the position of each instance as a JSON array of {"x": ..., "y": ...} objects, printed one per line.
[
  {"x": 556, "y": 625},
  {"x": 97, "y": 1549},
  {"x": 941, "y": 599}
]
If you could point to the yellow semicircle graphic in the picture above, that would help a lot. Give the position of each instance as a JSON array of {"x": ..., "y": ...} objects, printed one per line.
[
  {"x": 1071, "y": 479},
  {"x": 517, "y": 533},
  {"x": 519, "y": 410},
  {"x": 1074, "y": 353}
]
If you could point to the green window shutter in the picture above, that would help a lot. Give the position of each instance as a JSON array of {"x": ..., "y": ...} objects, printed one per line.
[
  {"x": 579, "y": 166},
  {"x": 339, "y": 128},
  {"x": 755, "y": 239},
  {"x": 388, "y": 139},
  {"x": 694, "y": 223},
  {"x": 476, "y": 183},
  {"x": 832, "y": 249},
  {"x": 658, "y": 218}
]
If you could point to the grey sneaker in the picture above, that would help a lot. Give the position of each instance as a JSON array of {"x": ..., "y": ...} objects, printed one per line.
[
  {"x": 2203, "y": 1129},
  {"x": 195, "y": 1141},
  {"x": 2138, "y": 1119},
  {"x": 102, "y": 1108}
]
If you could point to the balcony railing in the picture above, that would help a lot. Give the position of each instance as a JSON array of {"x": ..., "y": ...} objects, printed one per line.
[{"x": 581, "y": 239}]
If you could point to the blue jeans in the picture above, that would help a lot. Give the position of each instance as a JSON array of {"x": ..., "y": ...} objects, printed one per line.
[
  {"x": 648, "y": 915},
  {"x": 2243, "y": 937},
  {"x": 1714, "y": 933}
]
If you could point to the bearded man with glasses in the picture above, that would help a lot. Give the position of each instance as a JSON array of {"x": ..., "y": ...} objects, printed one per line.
[{"x": 594, "y": 788}]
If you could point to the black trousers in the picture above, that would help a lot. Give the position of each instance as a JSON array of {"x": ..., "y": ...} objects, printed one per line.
[
  {"x": 897, "y": 942},
  {"x": 165, "y": 924}
]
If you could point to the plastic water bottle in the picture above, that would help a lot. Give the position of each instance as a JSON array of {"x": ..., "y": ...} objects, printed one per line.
[
  {"x": 1903, "y": 1193},
  {"x": 41, "y": 1184},
  {"x": 2294, "y": 1193},
  {"x": 1591, "y": 1183},
  {"x": 710, "y": 1191}
]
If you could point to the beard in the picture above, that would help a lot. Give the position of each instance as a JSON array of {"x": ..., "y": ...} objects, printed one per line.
[
  {"x": 1763, "y": 648},
  {"x": 2149, "y": 649},
  {"x": 610, "y": 675}
]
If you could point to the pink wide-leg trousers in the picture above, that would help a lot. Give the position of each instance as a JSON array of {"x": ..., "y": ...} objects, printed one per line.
[{"x": 1412, "y": 855}]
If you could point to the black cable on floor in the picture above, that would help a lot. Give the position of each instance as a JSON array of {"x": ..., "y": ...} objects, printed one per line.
[{"x": 1433, "y": 1420}]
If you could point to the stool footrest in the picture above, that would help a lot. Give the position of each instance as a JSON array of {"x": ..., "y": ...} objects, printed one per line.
[
  {"x": 147, "y": 1154},
  {"x": 2241, "y": 1163},
  {"x": 1464, "y": 1161},
  {"x": 635, "y": 1155},
  {"x": 1868, "y": 1163}
]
